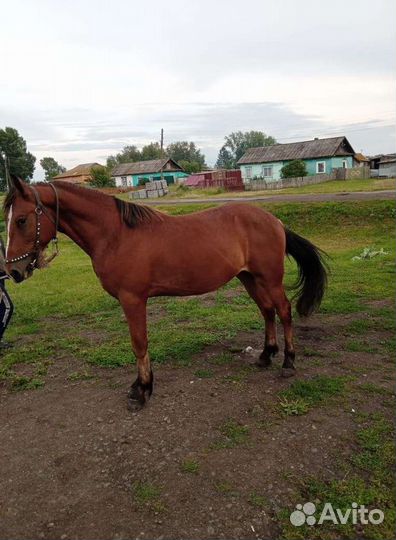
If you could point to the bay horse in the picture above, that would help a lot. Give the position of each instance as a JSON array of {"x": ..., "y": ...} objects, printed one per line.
[{"x": 138, "y": 252}]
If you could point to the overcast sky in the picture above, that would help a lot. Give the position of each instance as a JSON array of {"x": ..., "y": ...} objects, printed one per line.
[{"x": 81, "y": 79}]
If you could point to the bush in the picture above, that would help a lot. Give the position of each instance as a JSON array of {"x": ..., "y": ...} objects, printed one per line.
[
  {"x": 294, "y": 168},
  {"x": 101, "y": 177},
  {"x": 181, "y": 188},
  {"x": 143, "y": 181}
]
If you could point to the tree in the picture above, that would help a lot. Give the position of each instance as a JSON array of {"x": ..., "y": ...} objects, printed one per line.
[
  {"x": 20, "y": 161},
  {"x": 225, "y": 159},
  {"x": 238, "y": 142},
  {"x": 187, "y": 155},
  {"x": 294, "y": 168},
  {"x": 190, "y": 166},
  {"x": 101, "y": 177},
  {"x": 128, "y": 154},
  {"x": 51, "y": 168},
  {"x": 151, "y": 151}
]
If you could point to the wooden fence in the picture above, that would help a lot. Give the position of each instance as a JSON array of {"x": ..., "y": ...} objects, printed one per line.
[{"x": 336, "y": 174}]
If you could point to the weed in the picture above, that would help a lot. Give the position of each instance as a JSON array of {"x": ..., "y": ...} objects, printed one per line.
[
  {"x": 233, "y": 434},
  {"x": 315, "y": 390},
  {"x": 257, "y": 500},
  {"x": 293, "y": 407},
  {"x": 190, "y": 466},
  {"x": 20, "y": 383},
  {"x": 204, "y": 373},
  {"x": 148, "y": 494}
]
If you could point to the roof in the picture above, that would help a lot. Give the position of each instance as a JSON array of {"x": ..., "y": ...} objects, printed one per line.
[
  {"x": 360, "y": 157},
  {"x": 316, "y": 148},
  {"x": 388, "y": 158},
  {"x": 81, "y": 170},
  {"x": 145, "y": 167}
]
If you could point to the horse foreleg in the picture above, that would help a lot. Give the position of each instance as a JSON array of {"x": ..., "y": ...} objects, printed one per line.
[{"x": 135, "y": 312}]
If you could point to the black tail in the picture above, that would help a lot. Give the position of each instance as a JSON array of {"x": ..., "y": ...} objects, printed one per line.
[{"x": 312, "y": 272}]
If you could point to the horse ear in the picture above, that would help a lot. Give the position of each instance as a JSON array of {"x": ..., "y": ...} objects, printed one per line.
[{"x": 19, "y": 185}]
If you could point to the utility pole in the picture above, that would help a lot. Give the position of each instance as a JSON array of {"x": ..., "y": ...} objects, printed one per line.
[
  {"x": 162, "y": 152},
  {"x": 6, "y": 169}
]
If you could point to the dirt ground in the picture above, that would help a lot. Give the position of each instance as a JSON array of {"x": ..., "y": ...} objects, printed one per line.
[{"x": 76, "y": 464}]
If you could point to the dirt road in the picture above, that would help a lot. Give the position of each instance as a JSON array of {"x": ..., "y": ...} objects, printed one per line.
[{"x": 319, "y": 197}]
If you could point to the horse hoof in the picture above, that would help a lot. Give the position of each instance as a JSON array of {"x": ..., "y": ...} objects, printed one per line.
[
  {"x": 288, "y": 372},
  {"x": 134, "y": 405},
  {"x": 263, "y": 364}
]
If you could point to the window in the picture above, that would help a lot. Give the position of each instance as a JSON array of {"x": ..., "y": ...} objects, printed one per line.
[
  {"x": 267, "y": 171},
  {"x": 124, "y": 181},
  {"x": 344, "y": 164},
  {"x": 320, "y": 167},
  {"x": 248, "y": 172}
]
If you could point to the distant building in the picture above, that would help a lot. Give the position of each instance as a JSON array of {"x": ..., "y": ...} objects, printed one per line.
[
  {"x": 78, "y": 175},
  {"x": 230, "y": 179},
  {"x": 131, "y": 174},
  {"x": 320, "y": 156},
  {"x": 383, "y": 165},
  {"x": 359, "y": 160}
]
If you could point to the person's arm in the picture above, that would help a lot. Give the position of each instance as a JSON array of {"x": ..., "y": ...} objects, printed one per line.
[{"x": 2, "y": 259}]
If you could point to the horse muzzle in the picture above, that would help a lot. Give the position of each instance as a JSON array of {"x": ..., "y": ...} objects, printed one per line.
[{"x": 17, "y": 276}]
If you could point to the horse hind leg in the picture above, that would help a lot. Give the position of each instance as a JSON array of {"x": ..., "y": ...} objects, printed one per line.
[
  {"x": 259, "y": 294},
  {"x": 283, "y": 309}
]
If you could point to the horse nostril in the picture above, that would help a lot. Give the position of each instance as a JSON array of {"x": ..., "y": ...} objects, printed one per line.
[{"x": 17, "y": 276}]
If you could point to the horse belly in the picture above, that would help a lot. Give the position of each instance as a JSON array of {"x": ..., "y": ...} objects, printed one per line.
[{"x": 196, "y": 271}]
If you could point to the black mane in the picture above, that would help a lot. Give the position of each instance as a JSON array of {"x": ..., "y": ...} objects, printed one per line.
[
  {"x": 131, "y": 214},
  {"x": 135, "y": 214}
]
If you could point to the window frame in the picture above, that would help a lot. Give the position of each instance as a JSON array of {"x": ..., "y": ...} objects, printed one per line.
[
  {"x": 318, "y": 163},
  {"x": 249, "y": 172},
  {"x": 269, "y": 167}
]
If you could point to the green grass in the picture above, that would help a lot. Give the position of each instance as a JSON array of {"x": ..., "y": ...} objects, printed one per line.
[
  {"x": 63, "y": 312},
  {"x": 204, "y": 373},
  {"x": 293, "y": 406},
  {"x": 305, "y": 394},
  {"x": 190, "y": 466},
  {"x": 80, "y": 376},
  {"x": 233, "y": 434},
  {"x": 257, "y": 500},
  {"x": 367, "y": 480},
  {"x": 149, "y": 495},
  {"x": 20, "y": 383},
  {"x": 333, "y": 186}
]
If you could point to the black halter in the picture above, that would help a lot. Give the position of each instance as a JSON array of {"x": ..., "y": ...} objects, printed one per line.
[{"x": 39, "y": 210}]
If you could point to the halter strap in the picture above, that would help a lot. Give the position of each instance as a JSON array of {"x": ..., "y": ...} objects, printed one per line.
[{"x": 39, "y": 210}]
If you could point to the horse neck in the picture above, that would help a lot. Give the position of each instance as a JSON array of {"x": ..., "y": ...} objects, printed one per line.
[{"x": 88, "y": 218}]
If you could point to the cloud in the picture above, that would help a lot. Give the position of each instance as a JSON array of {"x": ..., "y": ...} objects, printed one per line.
[{"x": 80, "y": 80}]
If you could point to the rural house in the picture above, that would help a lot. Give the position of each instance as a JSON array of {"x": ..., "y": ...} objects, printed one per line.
[
  {"x": 78, "y": 175},
  {"x": 383, "y": 165},
  {"x": 320, "y": 156},
  {"x": 130, "y": 174},
  {"x": 359, "y": 160}
]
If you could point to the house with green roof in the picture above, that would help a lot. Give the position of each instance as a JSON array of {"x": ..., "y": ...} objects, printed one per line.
[{"x": 320, "y": 156}]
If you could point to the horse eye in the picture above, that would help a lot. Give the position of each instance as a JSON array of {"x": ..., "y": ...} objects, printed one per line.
[{"x": 21, "y": 221}]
